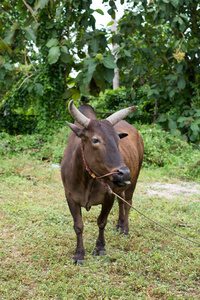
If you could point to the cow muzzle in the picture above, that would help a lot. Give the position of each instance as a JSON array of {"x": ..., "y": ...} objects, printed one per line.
[{"x": 122, "y": 177}]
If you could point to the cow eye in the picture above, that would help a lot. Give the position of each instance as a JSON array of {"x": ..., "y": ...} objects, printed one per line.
[{"x": 95, "y": 141}]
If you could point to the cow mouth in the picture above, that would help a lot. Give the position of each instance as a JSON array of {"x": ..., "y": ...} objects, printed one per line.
[
  {"x": 122, "y": 177},
  {"x": 121, "y": 183}
]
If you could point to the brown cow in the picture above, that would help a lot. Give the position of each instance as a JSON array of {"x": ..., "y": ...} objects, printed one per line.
[{"x": 100, "y": 153}]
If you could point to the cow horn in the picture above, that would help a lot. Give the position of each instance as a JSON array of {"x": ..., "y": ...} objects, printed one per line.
[
  {"x": 120, "y": 115},
  {"x": 77, "y": 115}
]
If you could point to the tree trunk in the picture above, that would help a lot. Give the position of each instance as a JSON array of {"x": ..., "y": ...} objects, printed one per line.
[{"x": 114, "y": 47}]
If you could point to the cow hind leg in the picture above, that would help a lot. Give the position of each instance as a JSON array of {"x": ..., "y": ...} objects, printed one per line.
[
  {"x": 124, "y": 209},
  {"x": 78, "y": 228},
  {"x": 121, "y": 212},
  {"x": 102, "y": 221}
]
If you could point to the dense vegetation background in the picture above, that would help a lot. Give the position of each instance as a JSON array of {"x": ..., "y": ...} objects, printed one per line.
[{"x": 51, "y": 51}]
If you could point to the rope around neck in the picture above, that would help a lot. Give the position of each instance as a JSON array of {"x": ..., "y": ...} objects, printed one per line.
[{"x": 155, "y": 222}]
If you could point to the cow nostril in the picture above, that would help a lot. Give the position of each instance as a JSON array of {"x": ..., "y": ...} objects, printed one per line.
[{"x": 124, "y": 173}]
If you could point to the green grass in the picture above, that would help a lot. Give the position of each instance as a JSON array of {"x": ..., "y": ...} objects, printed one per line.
[{"x": 38, "y": 241}]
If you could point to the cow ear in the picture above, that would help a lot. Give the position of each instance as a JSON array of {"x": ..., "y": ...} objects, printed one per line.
[
  {"x": 122, "y": 135},
  {"x": 78, "y": 131}
]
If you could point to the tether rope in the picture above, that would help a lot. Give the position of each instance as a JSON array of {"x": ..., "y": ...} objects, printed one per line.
[{"x": 155, "y": 222}]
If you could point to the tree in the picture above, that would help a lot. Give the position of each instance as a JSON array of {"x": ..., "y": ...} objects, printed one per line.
[
  {"x": 44, "y": 42},
  {"x": 49, "y": 40},
  {"x": 159, "y": 59}
]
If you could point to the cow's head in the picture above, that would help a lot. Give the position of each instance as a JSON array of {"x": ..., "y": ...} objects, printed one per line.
[{"x": 100, "y": 141}]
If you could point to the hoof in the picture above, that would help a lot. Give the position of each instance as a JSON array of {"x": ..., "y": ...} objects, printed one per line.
[
  {"x": 97, "y": 252},
  {"x": 124, "y": 234},
  {"x": 118, "y": 227},
  {"x": 77, "y": 262},
  {"x": 102, "y": 252}
]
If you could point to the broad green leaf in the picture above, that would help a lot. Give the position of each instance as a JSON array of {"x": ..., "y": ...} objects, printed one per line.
[
  {"x": 109, "y": 62},
  {"x": 9, "y": 37},
  {"x": 99, "y": 11},
  {"x": 181, "y": 83},
  {"x": 179, "y": 68},
  {"x": 172, "y": 93},
  {"x": 67, "y": 94},
  {"x": 65, "y": 58},
  {"x": 76, "y": 95},
  {"x": 162, "y": 118},
  {"x": 195, "y": 128},
  {"x": 40, "y": 4},
  {"x": 52, "y": 42},
  {"x": 127, "y": 53},
  {"x": 3, "y": 46},
  {"x": 99, "y": 56},
  {"x": 2, "y": 60},
  {"x": 8, "y": 66},
  {"x": 174, "y": 3},
  {"x": 54, "y": 54},
  {"x": 2, "y": 73},
  {"x": 92, "y": 67},
  {"x": 64, "y": 49},
  {"x": 108, "y": 75},
  {"x": 197, "y": 114},
  {"x": 182, "y": 119},
  {"x": 39, "y": 89},
  {"x": 30, "y": 34},
  {"x": 15, "y": 26},
  {"x": 153, "y": 92},
  {"x": 110, "y": 23},
  {"x": 94, "y": 44},
  {"x": 172, "y": 124}
]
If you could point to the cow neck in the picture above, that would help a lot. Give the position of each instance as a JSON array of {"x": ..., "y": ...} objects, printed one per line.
[
  {"x": 86, "y": 166},
  {"x": 88, "y": 169}
]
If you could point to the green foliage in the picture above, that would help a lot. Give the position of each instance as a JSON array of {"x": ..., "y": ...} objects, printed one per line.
[
  {"x": 162, "y": 149},
  {"x": 167, "y": 150},
  {"x": 40, "y": 146},
  {"x": 113, "y": 100},
  {"x": 158, "y": 55},
  {"x": 43, "y": 43},
  {"x": 188, "y": 123}
]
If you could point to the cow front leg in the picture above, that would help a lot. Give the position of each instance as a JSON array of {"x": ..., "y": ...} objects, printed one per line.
[
  {"x": 102, "y": 221},
  {"x": 78, "y": 228}
]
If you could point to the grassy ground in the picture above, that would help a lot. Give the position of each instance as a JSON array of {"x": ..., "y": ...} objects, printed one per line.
[{"x": 38, "y": 241}]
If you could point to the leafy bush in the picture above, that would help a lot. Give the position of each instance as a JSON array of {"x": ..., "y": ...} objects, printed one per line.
[
  {"x": 114, "y": 100},
  {"x": 42, "y": 147},
  {"x": 163, "y": 149},
  {"x": 187, "y": 121}
]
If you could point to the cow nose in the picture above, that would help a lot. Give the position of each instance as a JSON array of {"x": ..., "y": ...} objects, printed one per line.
[
  {"x": 124, "y": 173},
  {"x": 122, "y": 177}
]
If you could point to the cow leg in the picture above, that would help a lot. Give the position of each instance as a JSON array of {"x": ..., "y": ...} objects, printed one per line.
[
  {"x": 128, "y": 197},
  {"x": 78, "y": 228},
  {"x": 124, "y": 209},
  {"x": 102, "y": 221},
  {"x": 121, "y": 213}
]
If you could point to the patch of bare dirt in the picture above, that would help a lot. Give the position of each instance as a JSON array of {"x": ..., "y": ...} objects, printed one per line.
[{"x": 174, "y": 190}]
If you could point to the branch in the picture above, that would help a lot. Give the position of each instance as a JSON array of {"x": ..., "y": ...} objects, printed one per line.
[
  {"x": 25, "y": 80},
  {"x": 31, "y": 63},
  {"x": 31, "y": 10},
  {"x": 7, "y": 15}
]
